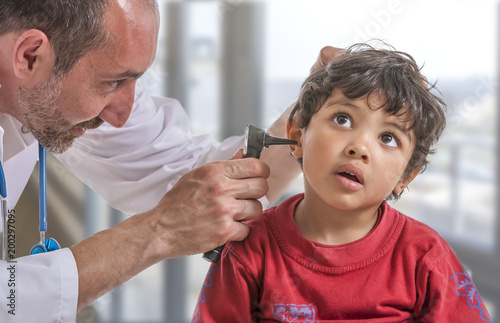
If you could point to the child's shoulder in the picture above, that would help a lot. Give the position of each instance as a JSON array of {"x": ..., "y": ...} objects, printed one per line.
[
  {"x": 259, "y": 230},
  {"x": 416, "y": 229},
  {"x": 252, "y": 251},
  {"x": 264, "y": 230},
  {"x": 420, "y": 239}
]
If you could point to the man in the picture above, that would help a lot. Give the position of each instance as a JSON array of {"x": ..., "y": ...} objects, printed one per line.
[{"x": 66, "y": 67}]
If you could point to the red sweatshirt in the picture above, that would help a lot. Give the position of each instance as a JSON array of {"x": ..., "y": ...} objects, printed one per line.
[{"x": 402, "y": 271}]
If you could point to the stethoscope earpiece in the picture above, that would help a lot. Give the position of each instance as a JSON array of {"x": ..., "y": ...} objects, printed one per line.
[{"x": 50, "y": 245}]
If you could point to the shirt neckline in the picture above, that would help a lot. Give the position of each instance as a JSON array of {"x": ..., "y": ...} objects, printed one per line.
[{"x": 334, "y": 259}]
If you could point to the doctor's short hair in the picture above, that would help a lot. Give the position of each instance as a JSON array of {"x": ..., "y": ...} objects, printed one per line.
[
  {"x": 363, "y": 71},
  {"x": 74, "y": 27}
]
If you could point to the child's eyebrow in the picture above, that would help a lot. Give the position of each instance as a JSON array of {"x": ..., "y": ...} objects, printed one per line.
[
  {"x": 401, "y": 128},
  {"x": 341, "y": 102}
]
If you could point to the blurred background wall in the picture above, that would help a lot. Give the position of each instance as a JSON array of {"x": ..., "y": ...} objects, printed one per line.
[{"x": 235, "y": 62}]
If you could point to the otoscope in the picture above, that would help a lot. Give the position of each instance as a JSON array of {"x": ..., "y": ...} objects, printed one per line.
[{"x": 256, "y": 140}]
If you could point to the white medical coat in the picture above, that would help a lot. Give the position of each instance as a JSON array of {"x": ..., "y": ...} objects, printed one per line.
[{"x": 131, "y": 167}]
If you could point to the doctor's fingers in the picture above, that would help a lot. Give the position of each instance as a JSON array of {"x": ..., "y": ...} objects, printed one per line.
[
  {"x": 243, "y": 168},
  {"x": 239, "y": 210},
  {"x": 246, "y": 188},
  {"x": 240, "y": 232},
  {"x": 227, "y": 226},
  {"x": 326, "y": 54},
  {"x": 230, "y": 179}
]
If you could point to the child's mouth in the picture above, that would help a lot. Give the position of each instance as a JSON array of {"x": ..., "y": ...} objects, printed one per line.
[{"x": 350, "y": 176}]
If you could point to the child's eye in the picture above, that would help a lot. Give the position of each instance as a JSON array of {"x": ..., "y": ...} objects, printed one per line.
[
  {"x": 342, "y": 120},
  {"x": 389, "y": 140}
]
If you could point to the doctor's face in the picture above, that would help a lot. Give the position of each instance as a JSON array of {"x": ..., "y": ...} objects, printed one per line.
[
  {"x": 45, "y": 120},
  {"x": 101, "y": 86}
]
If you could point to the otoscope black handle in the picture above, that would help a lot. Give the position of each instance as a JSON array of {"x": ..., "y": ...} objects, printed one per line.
[
  {"x": 256, "y": 140},
  {"x": 213, "y": 255}
]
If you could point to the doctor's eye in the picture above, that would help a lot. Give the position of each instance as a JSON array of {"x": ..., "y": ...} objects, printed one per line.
[
  {"x": 116, "y": 83},
  {"x": 342, "y": 120}
]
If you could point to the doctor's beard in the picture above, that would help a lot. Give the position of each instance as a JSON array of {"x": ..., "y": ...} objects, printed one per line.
[{"x": 44, "y": 119}]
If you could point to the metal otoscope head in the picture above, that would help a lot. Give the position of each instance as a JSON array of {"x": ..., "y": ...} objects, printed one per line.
[{"x": 256, "y": 140}]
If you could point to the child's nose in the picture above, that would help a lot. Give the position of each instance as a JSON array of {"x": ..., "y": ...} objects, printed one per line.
[{"x": 358, "y": 151}]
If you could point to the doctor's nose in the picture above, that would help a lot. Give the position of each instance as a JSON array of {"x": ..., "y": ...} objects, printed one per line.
[{"x": 118, "y": 108}]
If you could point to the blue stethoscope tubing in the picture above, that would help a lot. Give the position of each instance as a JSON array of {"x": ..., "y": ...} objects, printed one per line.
[
  {"x": 48, "y": 244},
  {"x": 45, "y": 244},
  {"x": 42, "y": 177},
  {"x": 3, "y": 193}
]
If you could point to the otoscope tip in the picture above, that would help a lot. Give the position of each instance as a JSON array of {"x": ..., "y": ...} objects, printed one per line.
[{"x": 271, "y": 140}]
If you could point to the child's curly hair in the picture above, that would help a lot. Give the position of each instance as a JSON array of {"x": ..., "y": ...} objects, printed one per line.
[{"x": 389, "y": 74}]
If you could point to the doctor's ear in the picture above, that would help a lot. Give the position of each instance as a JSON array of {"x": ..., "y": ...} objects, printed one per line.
[
  {"x": 293, "y": 132},
  {"x": 33, "y": 57}
]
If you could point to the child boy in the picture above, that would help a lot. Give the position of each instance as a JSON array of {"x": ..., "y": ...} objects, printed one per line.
[{"x": 365, "y": 125}]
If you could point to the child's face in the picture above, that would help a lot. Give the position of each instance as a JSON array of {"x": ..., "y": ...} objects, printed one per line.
[{"x": 353, "y": 156}]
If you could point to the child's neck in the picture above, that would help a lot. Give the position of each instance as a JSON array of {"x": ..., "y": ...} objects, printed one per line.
[{"x": 324, "y": 224}]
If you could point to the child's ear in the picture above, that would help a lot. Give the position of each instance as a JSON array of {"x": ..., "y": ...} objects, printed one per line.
[
  {"x": 293, "y": 132},
  {"x": 403, "y": 183}
]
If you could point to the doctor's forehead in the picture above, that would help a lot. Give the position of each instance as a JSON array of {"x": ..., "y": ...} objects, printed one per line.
[
  {"x": 129, "y": 6},
  {"x": 131, "y": 43}
]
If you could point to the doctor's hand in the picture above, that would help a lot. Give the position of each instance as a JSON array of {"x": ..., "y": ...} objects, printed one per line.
[
  {"x": 326, "y": 54},
  {"x": 201, "y": 212},
  {"x": 206, "y": 206}
]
